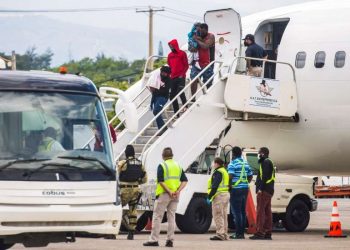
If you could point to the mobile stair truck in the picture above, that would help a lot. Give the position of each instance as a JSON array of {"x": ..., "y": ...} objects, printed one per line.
[
  {"x": 211, "y": 118},
  {"x": 57, "y": 172}
]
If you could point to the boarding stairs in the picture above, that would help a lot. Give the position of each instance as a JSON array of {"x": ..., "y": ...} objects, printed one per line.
[{"x": 227, "y": 100}]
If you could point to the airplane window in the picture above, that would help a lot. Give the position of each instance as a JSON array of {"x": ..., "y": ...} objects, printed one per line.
[
  {"x": 320, "y": 59},
  {"x": 339, "y": 60},
  {"x": 300, "y": 60}
]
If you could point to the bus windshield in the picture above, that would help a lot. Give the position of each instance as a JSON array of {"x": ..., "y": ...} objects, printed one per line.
[{"x": 58, "y": 132}]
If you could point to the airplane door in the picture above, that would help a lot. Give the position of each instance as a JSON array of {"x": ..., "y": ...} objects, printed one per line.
[{"x": 225, "y": 24}]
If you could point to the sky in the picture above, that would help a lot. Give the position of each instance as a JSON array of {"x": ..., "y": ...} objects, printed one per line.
[
  {"x": 174, "y": 22},
  {"x": 164, "y": 22}
]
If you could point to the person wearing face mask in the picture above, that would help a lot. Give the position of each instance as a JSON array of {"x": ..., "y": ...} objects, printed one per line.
[
  {"x": 254, "y": 67},
  {"x": 178, "y": 62},
  {"x": 159, "y": 85},
  {"x": 264, "y": 191}
]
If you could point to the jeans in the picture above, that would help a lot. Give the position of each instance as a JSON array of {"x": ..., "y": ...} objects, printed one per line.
[
  {"x": 238, "y": 202},
  {"x": 159, "y": 102},
  {"x": 177, "y": 84},
  {"x": 205, "y": 76}
]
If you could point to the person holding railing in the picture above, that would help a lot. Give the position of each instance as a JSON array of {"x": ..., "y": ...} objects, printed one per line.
[
  {"x": 159, "y": 85},
  {"x": 206, "y": 52},
  {"x": 178, "y": 62}
]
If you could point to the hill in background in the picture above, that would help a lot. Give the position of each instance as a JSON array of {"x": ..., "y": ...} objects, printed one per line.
[{"x": 70, "y": 41}]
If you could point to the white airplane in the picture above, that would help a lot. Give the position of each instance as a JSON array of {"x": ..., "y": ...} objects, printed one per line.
[{"x": 315, "y": 39}]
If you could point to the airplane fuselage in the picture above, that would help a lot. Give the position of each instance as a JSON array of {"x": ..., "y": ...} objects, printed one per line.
[{"x": 320, "y": 142}]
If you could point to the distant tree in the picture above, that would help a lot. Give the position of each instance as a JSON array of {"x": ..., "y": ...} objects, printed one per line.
[{"x": 31, "y": 60}]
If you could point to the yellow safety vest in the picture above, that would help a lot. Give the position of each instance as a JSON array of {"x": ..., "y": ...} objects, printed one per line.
[
  {"x": 273, "y": 176},
  {"x": 46, "y": 144},
  {"x": 172, "y": 174},
  {"x": 224, "y": 184},
  {"x": 243, "y": 176}
]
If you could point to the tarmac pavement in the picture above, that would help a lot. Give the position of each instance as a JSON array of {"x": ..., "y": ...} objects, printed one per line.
[{"x": 312, "y": 238}]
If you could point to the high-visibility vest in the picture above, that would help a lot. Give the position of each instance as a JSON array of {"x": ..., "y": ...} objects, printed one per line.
[
  {"x": 46, "y": 144},
  {"x": 224, "y": 184},
  {"x": 243, "y": 176},
  {"x": 172, "y": 175},
  {"x": 273, "y": 176}
]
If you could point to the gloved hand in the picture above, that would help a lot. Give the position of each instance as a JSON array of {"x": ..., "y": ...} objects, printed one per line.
[{"x": 208, "y": 201}]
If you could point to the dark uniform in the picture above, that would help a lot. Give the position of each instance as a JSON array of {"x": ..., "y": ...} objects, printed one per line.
[
  {"x": 264, "y": 188},
  {"x": 256, "y": 51},
  {"x": 131, "y": 175}
]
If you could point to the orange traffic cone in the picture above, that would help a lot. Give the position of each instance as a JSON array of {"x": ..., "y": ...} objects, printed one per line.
[
  {"x": 251, "y": 214},
  {"x": 335, "y": 227}
]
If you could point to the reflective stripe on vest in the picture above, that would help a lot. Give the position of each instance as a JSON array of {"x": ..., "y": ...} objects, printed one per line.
[
  {"x": 273, "y": 176},
  {"x": 243, "y": 174},
  {"x": 224, "y": 184},
  {"x": 172, "y": 175},
  {"x": 46, "y": 144}
]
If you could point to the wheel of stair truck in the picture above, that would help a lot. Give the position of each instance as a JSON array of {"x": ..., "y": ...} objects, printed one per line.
[
  {"x": 197, "y": 218},
  {"x": 4, "y": 246},
  {"x": 297, "y": 216}
]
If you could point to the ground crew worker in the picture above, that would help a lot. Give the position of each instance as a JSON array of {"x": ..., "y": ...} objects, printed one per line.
[
  {"x": 254, "y": 67},
  {"x": 131, "y": 175},
  {"x": 218, "y": 195},
  {"x": 171, "y": 180},
  {"x": 240, "y": 176},
  {"x": 264, "y": 192},
  {"x": 49, "y": 142}
]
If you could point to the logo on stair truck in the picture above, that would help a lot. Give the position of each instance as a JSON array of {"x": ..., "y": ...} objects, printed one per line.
[{"x": 264, "y": 93}]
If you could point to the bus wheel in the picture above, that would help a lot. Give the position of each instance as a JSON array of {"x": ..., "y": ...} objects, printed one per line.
[{"x": 197, "y": 218}]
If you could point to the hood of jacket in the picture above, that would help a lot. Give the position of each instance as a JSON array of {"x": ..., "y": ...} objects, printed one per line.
[{"x": 174, "y": 44}]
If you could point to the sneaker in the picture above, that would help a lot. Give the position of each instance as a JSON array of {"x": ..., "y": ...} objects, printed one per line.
[
  {"x": 257, "y": 237},
  {"x": 151, "y": 244},
  {"x": 237, "y": 236},
  {"x": 162, "y": 131},
  {"x": 169, "y": 243},
  {"x": 268, "y": 237},
  {"x": 216, "y": 238},
  {"x": 130, "y": 235}
]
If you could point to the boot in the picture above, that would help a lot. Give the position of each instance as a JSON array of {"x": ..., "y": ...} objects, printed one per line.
[{"x": 131, "y": 235}]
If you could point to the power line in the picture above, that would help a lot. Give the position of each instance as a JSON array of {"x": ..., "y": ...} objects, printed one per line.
[
  {"x": 175, "y": 18},
  {"x": 182, "y": 13},
  {"x": 70, "y": 10}
]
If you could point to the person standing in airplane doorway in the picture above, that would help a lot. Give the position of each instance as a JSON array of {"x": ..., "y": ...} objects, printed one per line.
[
  {"x": 265, "y": 183},
  {"x": 254, "y": 67}
]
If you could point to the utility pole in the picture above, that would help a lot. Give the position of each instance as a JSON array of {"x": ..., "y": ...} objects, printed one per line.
[
  {"x": 151, "y": 10},
  {"x": 13, "y": 60}
]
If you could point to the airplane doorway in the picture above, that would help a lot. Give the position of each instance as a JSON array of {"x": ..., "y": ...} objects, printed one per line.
[{"x": 269, "y": 35}]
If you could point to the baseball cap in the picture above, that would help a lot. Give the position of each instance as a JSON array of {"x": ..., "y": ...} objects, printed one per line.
[{"x": 249, "y": 37}]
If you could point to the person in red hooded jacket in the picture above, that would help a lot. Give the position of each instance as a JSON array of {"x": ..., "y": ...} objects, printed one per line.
[{"x": 178, "y": 62}]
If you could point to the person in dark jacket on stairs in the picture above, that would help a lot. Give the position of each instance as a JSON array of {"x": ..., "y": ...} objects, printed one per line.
[{"x": 160, "y": 93}]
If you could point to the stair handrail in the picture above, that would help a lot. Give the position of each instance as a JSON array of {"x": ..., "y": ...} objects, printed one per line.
[
  {"x": 170, "y": 103},
  {"x": 183, "y": 106},
  {"x": 140, "y": 92},
  {"x": 133, "y": 99},
  {"x": 264, "y": 61}
]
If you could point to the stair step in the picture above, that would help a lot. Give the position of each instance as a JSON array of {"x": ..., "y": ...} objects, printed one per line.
[
  {"x": 145, "y": 139},
  {"x": 150, "y": 131}
]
